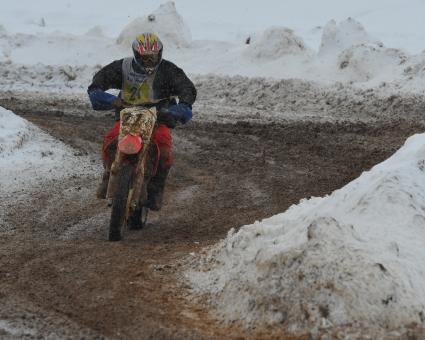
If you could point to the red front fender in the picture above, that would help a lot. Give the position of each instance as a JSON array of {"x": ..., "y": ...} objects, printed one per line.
[{"x": 130, "y": 145}]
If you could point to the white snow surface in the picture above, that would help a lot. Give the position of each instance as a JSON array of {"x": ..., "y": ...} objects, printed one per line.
[
  {"x": 165, "y": 22},
  {"x": 338, "y": 37},
  {"x": 29, "y": 156},
  {"x": 357, "y": 254},
  {"x": 343, "y": 50},
  {"x": 276, "y": 42},
  {"x": 398, "y": 23}
]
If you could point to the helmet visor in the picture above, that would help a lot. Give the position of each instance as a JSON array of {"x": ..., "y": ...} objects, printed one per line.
[{"x": 148, "y": 60}]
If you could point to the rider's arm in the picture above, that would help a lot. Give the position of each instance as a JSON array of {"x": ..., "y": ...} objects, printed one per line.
[
  {"x": 109, "y": 77},
  {"x": 101, "y": 100},
  {"x": 184, "y": 89},
  {"x": 183, "y": 86}
]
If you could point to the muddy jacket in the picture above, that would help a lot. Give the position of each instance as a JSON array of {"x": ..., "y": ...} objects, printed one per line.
[{"x": 136, "y": 87}]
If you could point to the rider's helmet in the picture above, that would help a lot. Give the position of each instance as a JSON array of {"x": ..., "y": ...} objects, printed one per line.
[{"x": 147, "y": 50}]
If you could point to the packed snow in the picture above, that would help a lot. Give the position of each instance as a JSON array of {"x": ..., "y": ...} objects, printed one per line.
[
  {"x": 29, "y": 156},
  {"x": 356, "y": 255}
]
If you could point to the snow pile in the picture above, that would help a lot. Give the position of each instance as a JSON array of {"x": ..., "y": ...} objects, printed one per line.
[
  {"x": 364, "y": 62},
  {"x": 95, "y": 31},
  {"x": 276, "y": 42},
  {"x": 338, "y": 37},
  {"x": 47, "y": 77},
  {"x": 28, "y": 155},
  {"x": 357, "y": 256},
  {"x": 3, "y": 31},
  {"x": 416, "y": 68},
  {"x": 165, "y": 22},
  {"x": 348, "y": 55},
  {"x": 397, "y": 22},
  {"x": 63, "y": 49},
  {"x": 358, "y": 56}
]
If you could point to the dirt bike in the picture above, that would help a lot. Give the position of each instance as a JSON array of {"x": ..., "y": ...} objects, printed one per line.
[{"x": 133, "y": 166}]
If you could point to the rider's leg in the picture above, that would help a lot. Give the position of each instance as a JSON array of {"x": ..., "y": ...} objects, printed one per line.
[
  {"x": 108, "y": 155},
  {"x": 161, "y": 137}
]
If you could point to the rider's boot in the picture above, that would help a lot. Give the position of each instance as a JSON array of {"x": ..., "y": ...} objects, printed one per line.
[
  {"x": 156, "y": 188},
  {"x": 103, "y": 186}
]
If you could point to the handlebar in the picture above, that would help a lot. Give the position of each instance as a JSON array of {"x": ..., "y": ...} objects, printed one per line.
[{"x": 164, "y": 115}]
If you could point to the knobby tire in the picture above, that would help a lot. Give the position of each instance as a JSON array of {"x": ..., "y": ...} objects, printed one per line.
[{"x": 119, "y": 203}]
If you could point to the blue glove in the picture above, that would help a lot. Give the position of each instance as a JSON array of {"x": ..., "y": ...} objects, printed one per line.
[
  {"x": 101, "y": 100},
  {"x": 182, "y": 112}
]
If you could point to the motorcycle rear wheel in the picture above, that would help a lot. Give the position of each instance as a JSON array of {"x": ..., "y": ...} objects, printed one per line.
[{"x": 119, "y": 203}]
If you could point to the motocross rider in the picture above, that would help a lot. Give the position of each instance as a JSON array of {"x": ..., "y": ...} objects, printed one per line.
[{"x": 144, "y": 79}]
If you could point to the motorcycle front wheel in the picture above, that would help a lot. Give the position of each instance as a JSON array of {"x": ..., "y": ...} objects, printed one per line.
[
  {"x": 138, "y": 219},
  {"x": 119, "y": 203}
]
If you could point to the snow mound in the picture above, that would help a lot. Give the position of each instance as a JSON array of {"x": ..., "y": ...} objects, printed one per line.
[
  {"x": 166, "y": 22},
  {"x": 95, "y": 31},
  {"x": 367, "y": 61},
  {"x": 46, "y": 77},
  {"x": 276, "y": 42},
  {"x": 416, "y": 68},
  {"x": 338, "y": 37},
  {"x": 29, "y": 156},
  {"x": 356, "y": 256},
  {"x": 14, "y": 132},
  {"x": 3, "y": 31}
]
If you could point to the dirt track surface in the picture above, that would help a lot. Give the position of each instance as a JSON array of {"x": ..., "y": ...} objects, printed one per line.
[{"x": 60, "y": 278}]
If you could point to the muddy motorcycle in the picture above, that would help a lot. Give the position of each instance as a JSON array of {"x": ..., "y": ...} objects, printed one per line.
[{"x": 133, "y": 166}]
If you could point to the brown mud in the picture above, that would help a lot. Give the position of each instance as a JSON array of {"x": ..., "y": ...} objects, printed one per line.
[{"x": 61, "y": 278}]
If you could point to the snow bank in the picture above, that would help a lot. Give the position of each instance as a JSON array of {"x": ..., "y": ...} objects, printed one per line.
[
  {"x": 362, "y": 63},
  {"x": 95, "y": 31},
  {"x": 357, "y": 56},
  {"x": 356, "y": 256},
  {"x": 165, "y": 22},
  {"x": 29, "y": 156},
  {"x": 47, "y": 77},
  {"x": 348, "y": 55},
  {"x": 415, "y": 69},
  {"x": 276, "y": 42},
  {"x": 3, "y": 31},
  {"x": 338, "y": 37}
]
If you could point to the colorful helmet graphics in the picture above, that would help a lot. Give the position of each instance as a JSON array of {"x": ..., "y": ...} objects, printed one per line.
[{"x": 147, "y": 50}]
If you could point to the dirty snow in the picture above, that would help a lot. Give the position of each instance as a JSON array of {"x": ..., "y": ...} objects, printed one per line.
[
  {"x": 233, "y": 99},
  {"x": 29, "y": 156},
  {"x": 357, "y": 254}
]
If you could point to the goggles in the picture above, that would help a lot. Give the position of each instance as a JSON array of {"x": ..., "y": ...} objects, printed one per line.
[{"x": 148, "y": 60}]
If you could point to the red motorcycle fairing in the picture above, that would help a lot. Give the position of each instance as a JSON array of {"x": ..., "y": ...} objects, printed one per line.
[
  {"x": 161, "y": 137},
  {"x": 130, "y": 145}
]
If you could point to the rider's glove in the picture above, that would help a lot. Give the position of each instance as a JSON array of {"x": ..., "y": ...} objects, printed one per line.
[
  {"x": 181, "y": 111},
  {"x": 101, "y": 100}
]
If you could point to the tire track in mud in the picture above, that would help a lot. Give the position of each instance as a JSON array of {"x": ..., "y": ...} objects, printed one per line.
[{"x": 58, "y": 264}]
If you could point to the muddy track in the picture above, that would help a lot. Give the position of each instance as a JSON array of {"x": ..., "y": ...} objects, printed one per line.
[{"x": 61, "y": 278}]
